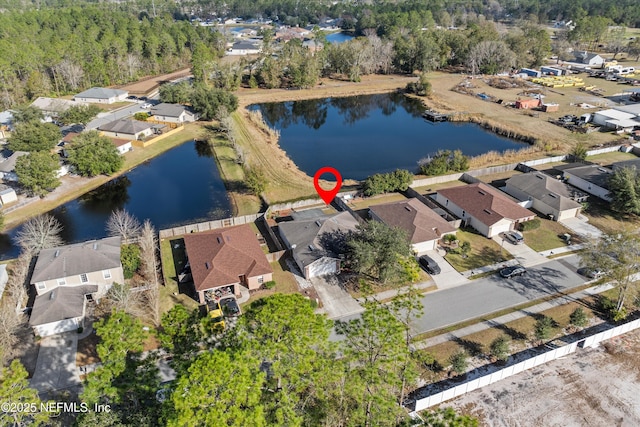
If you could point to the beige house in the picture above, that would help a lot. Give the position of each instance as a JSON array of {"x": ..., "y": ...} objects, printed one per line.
[
  {"x": 66, "y": 277},
  {"x": 173, "y": 113},
  {"x": 127, "y": 129},
  {"x": 101, "y": 95},
  {"x": 226, "y": 259}
]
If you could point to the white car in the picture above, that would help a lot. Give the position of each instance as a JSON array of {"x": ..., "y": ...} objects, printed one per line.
[{"x": 145, "y": 106}]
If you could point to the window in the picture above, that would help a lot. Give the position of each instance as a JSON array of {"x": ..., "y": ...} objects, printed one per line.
[
  {"x": 260, "y": 279},
  {"x": 106, "y": 274},
  {"x": 83, "y": 278},
  {"x": 62, "y": 282},
  {"x": 41, "y": 285}
]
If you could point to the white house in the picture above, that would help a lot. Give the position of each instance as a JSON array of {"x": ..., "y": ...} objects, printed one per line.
[
  {"x": 546, "y": 195},
  {"x": 244, "y": 48},
  {"x": 592, "y": 179},
  {"x": 310, "y": 240},
  {"x": 173, "y": 113},
  {"x": 591, "y": 59},
  {"x": 423, "y": 226},
  {"x": 483, "y": 208},
  {"x": 122, "y": 145},
  {"x": 101, "y": 95},
  {"x": 65, "y": 277}
]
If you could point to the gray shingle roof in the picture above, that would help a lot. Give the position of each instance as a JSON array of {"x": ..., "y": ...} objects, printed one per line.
[
  {"x": 73, "y": 260},
  {"x": 627, "y": 164},
  {"x": 100, "y": 93},
  {"x": 64, "y": 302},
  {"x": 548, "y": 190},
  {"x": 306, "y": 235},
  {"x": 594, "y": 174},
  {"x": 127, "y": 126},
  {"x": 168, "y": 110},
  {"x": 8, "y": 164}
]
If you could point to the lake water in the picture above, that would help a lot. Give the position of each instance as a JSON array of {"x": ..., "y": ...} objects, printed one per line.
[
  {"x": 178, "y": 187},
  {"x": 338, "y": 37},
  {"x": 363, "y": 135}
]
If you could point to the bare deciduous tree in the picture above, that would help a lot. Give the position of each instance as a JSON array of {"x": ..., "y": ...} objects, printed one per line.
[
  {"x": 123, "y": 297},
  {"x": 40, "y": 232},
  {"x": 10, "y": 322},
  {"x": 122, "y": 223},
  {"x": 149, "y": 270},
  {"x": 71, "y": 73}
]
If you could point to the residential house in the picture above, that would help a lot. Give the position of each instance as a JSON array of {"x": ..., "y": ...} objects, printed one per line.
[
  {"x": 101, "y": 95},
  {"x": 127, "y": 129},
  {"x": 547, "y": 195},
  {"x": 591, "y": 59},
  {"x": 423, "y": 225},
  {"x": 593, "y": 179},
  {"x": 122, "y": 145},
  {"x": 310, "y": 241},
  {"x": 226, "y": 259},
  {"x": 484, "y": 208},
  {"x": 173, "y": 113},
  {"x": 53, "y": 107},
  {"x": 634, "y": 163},
  {"x": 7, "y": 195},
  {"x": 244, "y": 48},
  {"x": 8, "y": 164},
  {"x": 65, "y": 277}
]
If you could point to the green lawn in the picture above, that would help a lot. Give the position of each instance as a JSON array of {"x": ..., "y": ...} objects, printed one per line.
[
  {"x": 612, "y": 157},
  {"x": 428, "y": 189},
  {"x": 483, "y": 252},
  {"x": 546, "y": 237},
  {"x": 605, "y": 219},
  {"x": 364, "y": 203}
]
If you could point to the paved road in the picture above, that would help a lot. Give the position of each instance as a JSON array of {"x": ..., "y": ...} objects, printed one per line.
[
  {"x": 107, "y": 117},
  {"x": 487, "y": 295}
]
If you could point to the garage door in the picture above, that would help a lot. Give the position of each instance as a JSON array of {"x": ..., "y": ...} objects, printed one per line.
[
  {"x": 499, "y": 228},
  {"x": 322, "y": 267}
]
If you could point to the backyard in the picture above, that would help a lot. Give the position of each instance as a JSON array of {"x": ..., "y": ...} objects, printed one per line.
[{"x": 483, "y": 252}]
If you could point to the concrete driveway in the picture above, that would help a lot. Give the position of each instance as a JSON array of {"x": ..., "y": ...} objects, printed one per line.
[
  {"x": 56, "y": 365},
  {"x": 336, "y": 301},
  {"x": 580, "y": 226},
  {"x": 522, "y": 253},
  {"x": 448, "y": 277}
]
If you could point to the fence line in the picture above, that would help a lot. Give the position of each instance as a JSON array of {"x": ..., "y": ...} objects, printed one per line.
[
  {"x": 591, "y": 341},
  {"x": 208, "y": 225},
  {"x": 275, "y": 256}
]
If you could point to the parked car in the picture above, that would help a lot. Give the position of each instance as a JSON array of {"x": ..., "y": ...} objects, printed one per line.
[
  {"x": 514, "y": 237},
  {"x": 429, "y": 265},
  {"x": 230, "y": 306},
  {"x": 145, "y": 105},
  {"x": 513, "y": 271},
  {"x": 590, "y": 273}
]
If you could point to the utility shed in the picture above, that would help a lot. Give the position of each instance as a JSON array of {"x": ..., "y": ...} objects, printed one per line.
[{"x": 527, "y": 104}]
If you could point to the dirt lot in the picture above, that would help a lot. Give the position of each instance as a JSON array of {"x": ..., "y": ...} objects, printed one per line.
[{"x": 589, "y": 388}]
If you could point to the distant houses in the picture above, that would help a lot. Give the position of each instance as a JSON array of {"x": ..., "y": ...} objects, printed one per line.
[
  {"x": 101, "y": 95},
  {"x": 591, "y": 59},
  {"x": 173, "y": 113},
  {"x": 244, "y": 47}
]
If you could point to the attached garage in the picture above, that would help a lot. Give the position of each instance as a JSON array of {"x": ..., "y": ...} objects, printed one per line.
[
  {"x": 322, "y": 267},
  {"x": 60, "y": 310}
]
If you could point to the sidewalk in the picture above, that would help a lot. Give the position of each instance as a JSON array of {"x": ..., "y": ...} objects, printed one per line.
[{"x": 459, "y": 333}]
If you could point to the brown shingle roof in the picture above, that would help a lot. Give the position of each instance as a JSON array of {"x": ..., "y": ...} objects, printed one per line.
[
  {"x": 219, "y": 257},
  {"x": 485, "y": 203},
  {"x": 420, "y": 222}
]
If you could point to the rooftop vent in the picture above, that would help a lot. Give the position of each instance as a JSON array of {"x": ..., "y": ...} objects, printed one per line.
[
  {"x": 482, "y": 192},
  {"x": 52, "y": 295},
  {"x": 539, "y": 177},
  {"x": 206, "y": 265},
  {"x": 553, "y": 195},
  {"x": 311, "y": 247},
  {"x": 219, "y": 239},
  {"x": 56, "y": 254},
  {"x": 95, "y": 246},
  {"x": 603, "y": 170},
  {"x": 318, "y": 223},
  {"x": 487, "y": 211},
  {"x": 408, "y": 208}
]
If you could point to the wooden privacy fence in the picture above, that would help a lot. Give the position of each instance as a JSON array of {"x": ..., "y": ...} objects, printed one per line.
[
  {"x": 591, "y": 341},
  {"x": 208, "y": 225}
]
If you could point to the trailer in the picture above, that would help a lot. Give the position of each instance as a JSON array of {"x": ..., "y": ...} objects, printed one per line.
[
  {"x": 530, "y": 72},
  {"x": 552, "y": 71}
]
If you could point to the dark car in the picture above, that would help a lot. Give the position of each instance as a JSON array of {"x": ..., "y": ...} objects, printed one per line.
[
  {"x": 516, "y": 270},
  {"x": 429, "y": 265},
  {"x": 514, "y": 237},
  {"x": 230, "y": 307}
]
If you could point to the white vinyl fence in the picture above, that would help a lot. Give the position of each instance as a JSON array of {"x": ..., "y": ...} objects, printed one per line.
[{"x": 591, "y": 341}]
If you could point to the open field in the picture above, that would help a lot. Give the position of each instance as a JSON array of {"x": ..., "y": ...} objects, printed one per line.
[{"x": 592, "y": 387}]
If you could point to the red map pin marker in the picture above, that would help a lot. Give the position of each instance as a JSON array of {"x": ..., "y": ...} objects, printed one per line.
[{"x": 327, "y": 195}]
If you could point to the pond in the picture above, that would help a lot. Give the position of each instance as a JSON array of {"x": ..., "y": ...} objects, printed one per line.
[
  {"x": 339, "y": 37},
  {"x": 363, "y": 135},
  {"x": 178, "y": 187}
]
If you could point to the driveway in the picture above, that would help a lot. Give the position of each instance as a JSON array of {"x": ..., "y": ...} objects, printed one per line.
[
  {"x": 56, "y": 365},
  {"x": 491, "y": 294},
  {"x": 580, "y": 226},
  {"x": 522, "y": 253},
  {"x": 336, "y": 301},
  {"x": 449, "y": 276}
]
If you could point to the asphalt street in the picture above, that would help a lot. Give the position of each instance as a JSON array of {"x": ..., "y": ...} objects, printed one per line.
[{"x": 484, "y": 296}]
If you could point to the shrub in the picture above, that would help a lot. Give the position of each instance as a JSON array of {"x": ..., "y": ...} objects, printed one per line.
[
  {"x": 544, "y": 328},
  {"x": 130, "y": 258},
  {"x": 459, "y": 362},
  {"x": 270, "y": 284},
  {"x": 579, "y": 151},
  {"x": 444, "y": 161},
  {"x": 530, "y": 225},
  {"x": 80, "y": 329},
  {"x": 578, "y": 318},
  {"x": 499, "y": 348},
  {"x": 398, "y": 180},
  {"x": 465, "y": 249},
  {"x": 449, "y": 238}
]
